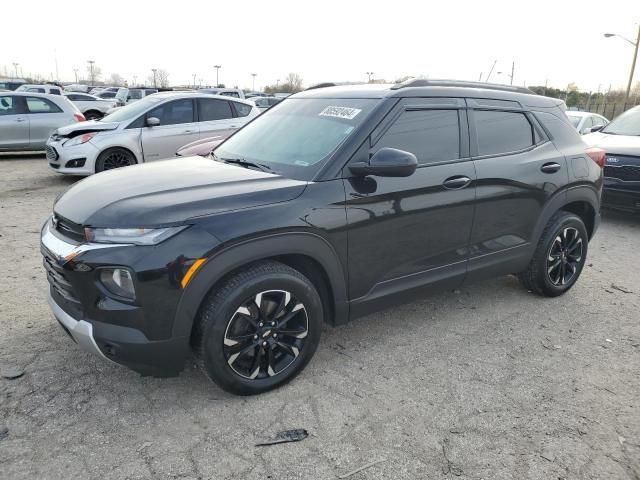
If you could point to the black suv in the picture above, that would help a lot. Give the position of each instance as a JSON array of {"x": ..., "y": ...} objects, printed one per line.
[{"x": 335, "y": 203}]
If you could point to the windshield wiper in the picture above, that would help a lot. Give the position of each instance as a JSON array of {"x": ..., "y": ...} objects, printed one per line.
[{"x": 244, "y": 163}]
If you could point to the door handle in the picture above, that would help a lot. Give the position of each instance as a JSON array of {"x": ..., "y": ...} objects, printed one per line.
[
  {"x": 551, "y": 167},
  {"x": 188, "y": 131},
  {"x": 20, "y": 119},
  {"x": 456, "y": 182}
]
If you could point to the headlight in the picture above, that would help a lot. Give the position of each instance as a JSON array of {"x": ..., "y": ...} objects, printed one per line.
[
  {"x": 118, "y": 281},
  {"x": 80, "y": 139},
  {"x": 137, "y": 236}
]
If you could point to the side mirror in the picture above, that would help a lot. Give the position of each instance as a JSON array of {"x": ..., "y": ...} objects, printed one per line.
[
  {"x": 387, "y": 162},
  {"x": 584, "y": 131},
  {"x": 152, "y": 122},
  {"x": 596, "y": 128}
]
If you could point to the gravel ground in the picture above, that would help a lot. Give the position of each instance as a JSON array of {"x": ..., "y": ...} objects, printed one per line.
[{"x": 490, "y": 382}]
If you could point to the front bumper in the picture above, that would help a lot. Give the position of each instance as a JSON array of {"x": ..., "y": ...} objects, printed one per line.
[
  {"x": 80, "y": 330},
  {"x": 621, "y": 195},
  {"x": 60, "y": 158},
  {"x": 137, "y": 334}
]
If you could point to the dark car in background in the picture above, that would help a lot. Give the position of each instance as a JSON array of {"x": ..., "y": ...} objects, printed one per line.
[
  {"x": 621, "y": 141},
  {"x": 338, "y": 202}
]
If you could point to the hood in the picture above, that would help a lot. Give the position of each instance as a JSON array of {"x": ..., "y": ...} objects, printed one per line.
[
  {"x": 620, "y": 144},
  {"x": 84, "y": 127},
  {"x": 200, "y": 147},
  {"x": 171, "y": 192}
]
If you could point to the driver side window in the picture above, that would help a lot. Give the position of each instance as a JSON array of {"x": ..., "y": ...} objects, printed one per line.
[{"x": 174, "y": 113}]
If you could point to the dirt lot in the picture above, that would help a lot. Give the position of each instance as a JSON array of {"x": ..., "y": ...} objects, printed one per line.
[{"x": 490, "y": 382}]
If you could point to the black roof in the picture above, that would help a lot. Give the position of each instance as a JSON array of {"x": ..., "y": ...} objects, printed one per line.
[{"x": 433, "y": 88}]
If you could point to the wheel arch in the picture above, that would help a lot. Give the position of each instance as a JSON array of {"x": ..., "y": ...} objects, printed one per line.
[
  {"x": 308, "y": 253},
  {"x": 582, "y": 200},
  {"x": 93, "y": 110}
]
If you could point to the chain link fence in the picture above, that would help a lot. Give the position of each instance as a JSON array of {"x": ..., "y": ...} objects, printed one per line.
[{"x": 608, "y": 110}]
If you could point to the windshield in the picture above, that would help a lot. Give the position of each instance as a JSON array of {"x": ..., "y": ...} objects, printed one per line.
[
  {"x": 131, "y": 111},
  {"x": 626, "y": 124},
  {"x": 297, "y": 135},
  {"x": 575, "y": 120}
]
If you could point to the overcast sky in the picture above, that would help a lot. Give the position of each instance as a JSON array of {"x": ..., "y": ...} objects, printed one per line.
[{"x": 555, "y": 40}]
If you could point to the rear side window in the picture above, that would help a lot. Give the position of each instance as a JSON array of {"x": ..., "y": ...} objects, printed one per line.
[
  {"x": 73, "y": 97},
  {"x": 41, "y": 105},
  {"x": 173, "y": 113},
  {"x": 431, "y": 135},
  {"x": 54, "y": 91},
  {"x": 230, "y": 94},
  {"x": 502, "y": 132},
  {"x": 212, "y": 109},
  {"x": 242, "y": 110},
  {"x": 35, "y": 90},
  {"x": 10, "y": 106}
]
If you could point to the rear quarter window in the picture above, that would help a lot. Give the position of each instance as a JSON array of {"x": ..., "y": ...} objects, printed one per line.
[
  {"x": 242, "y": 110},
  {"x": 502, "y": 132}
]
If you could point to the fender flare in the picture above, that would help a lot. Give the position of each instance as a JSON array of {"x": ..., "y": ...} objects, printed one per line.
[
  {"x": 576, "y": 193},
  {"x": 221, "y": 262}
]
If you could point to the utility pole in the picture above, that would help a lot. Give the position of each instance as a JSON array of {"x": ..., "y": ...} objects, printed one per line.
[
  {"x": 546, "y": 82},
  {"x": 254, "y": 81},
  {"x": 480, "y": 77},
  {"x": 513, "y": 67},
  {"x": 277, "y": 83},
  {"x": 15, "y": 66},
  {"x": 194, "y": 80},
  {"x": 633, "y": 61},
  {"x": 199, "y": 82},
  {"x": 75, "y": 72},
  {"x": 91, "y": 62},
  {"x": 486, "y": 80},
  {"x": 135, "y": 78},
  {"x": 217, "y": 67},
  {"x": 369, "y": 74},
  {"x": 55, "y": 57},
  {"x": 155, "y": 83}
]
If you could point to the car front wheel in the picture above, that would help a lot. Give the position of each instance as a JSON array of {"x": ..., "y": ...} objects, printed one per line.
[{"x": 259, "y": 329}]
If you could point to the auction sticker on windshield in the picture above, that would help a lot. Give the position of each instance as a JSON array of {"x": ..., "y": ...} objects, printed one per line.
[{"x": 340, "y": 112}]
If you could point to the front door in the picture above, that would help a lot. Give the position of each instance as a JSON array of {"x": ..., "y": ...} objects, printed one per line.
[
  {"x": 518, "y": 170},
  {"x": 14, "y": 123},
  {"x": 177, "y": 128},
  {"x": 409, "y": 233}
]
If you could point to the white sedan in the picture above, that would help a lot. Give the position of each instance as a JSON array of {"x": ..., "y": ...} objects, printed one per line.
[
  {"x": 153, "y": 128},
  {"x": 92, "y": 107},
  {"x": 584, "y": 122}
]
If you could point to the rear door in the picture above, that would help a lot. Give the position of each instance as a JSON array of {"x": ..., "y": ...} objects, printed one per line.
[
  {"x": 14, "y": 123},
  {"x": 518, "y": 170},
  {"x": 215, "y": 117},
  {"x": 44, "y": 117},
  {"x": 177, "y": 128}
]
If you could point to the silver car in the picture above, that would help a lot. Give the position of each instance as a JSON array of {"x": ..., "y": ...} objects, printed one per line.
[
  {"x": 28, "y": 119},
  {"x": 153, "y": 128}
]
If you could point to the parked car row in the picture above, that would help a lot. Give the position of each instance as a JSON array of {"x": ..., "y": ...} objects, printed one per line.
[{"x": 153, "y": 128}]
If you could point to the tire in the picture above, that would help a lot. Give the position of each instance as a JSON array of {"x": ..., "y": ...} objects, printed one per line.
[
  {"x": 93, "y": 115},
  {"x": 114, "y": 158},
  {"x": 262, "y": 356},
  {"x": 559, "y": 257}
]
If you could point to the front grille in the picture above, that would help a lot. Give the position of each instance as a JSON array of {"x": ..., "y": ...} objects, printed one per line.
[
  {"x": 627, "y": 173},
  {"x": 56, "y": 277},
  {"x": 52, "y": 155},
  {"x": 68, "y": 229}
]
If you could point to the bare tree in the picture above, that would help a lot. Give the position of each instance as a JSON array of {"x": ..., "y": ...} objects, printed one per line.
[
  {"x": 161, "y": 78},
  {"x": 291, "y": 84},
  {"x": 116, "y": 79},
  {"x": 94, "y": 73}
]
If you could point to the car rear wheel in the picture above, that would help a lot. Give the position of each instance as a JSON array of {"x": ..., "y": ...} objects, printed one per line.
[
  {"x": 259, "y": 329},
  {"x": 559, "y": 257},
  {"x": 92, "y": 115},
  {"x": 114, "y": 158}
]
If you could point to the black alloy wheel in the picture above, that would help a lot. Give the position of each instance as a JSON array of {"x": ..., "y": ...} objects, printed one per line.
[
  {"x": 266, "y": 334},
  {"x": 114, "y": 158},
  {"x": 564, "y": 256}
]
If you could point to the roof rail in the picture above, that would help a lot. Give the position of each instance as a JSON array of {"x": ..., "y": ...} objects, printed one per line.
[
  {"x": 321, "y": 85},
  {"x": 423, "y": 82}
]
